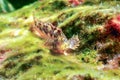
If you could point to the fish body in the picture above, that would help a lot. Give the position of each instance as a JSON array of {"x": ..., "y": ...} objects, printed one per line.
[{"x": 55, "y": 39}]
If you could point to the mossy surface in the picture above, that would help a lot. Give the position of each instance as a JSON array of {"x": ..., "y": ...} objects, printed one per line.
[{"x": 28, "y": 59}]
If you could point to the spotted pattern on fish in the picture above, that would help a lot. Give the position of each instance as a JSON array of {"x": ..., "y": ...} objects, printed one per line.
[{"x": 55, "y": 38}]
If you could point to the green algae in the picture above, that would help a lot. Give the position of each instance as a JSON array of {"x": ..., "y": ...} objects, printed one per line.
[{"x": 30, "y": 60}]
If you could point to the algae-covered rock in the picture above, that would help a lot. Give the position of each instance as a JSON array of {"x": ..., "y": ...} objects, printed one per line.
[{"x": 23, "y": 55}]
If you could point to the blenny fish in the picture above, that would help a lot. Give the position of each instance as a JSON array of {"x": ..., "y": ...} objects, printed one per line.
[{"x": 54, "y": 38}]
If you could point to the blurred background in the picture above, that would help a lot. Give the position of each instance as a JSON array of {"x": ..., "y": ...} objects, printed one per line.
[{"x": 11, "y": 5}]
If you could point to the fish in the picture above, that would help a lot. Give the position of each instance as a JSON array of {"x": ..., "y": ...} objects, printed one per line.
[{"x": 54, "y": 37}]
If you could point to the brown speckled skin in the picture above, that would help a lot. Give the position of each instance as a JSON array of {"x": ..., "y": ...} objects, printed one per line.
[{"x": 56, "y": 40}]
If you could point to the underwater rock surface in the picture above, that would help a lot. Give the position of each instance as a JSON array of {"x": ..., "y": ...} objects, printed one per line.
[{"x": 23, "y": 55}]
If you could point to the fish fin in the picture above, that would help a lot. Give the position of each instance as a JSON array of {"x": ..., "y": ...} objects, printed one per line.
[{"x": 73, "y": 42}]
